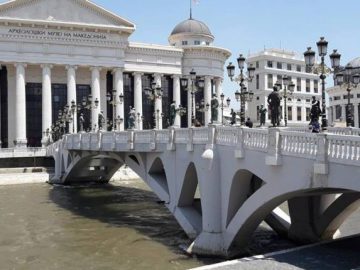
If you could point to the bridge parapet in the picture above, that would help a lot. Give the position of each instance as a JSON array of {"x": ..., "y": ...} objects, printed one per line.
[{"x": 276, "y": 142}]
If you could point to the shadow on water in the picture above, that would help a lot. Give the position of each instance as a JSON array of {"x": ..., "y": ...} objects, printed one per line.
[{"x": 125, "y": 207}]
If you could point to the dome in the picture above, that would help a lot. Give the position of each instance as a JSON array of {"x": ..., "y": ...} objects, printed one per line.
[
  {"x": 355, "y": 63},
  {"x": 192, "y": 26}
]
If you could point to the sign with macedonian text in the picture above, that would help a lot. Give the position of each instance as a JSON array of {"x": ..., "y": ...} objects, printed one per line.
[{"x": 57, "y": 34}]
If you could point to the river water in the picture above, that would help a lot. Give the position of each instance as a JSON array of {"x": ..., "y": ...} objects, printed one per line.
[{"x": 115, "y": 226}]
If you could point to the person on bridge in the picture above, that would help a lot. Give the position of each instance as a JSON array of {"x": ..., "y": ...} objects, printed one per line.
[
  {"x": 274, "y": 104},
  {"x": 262, "y": 112},
  {"x": 249, "y": 123},
  {"x": 233, "y": 117}
]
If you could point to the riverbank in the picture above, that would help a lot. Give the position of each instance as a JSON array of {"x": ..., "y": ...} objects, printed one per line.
[{"x": 38, "y": 175}]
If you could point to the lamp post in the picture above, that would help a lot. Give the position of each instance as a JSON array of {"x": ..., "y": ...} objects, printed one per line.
[
  {"x": 153, "y": 93},
  {"x": 89, "y": 104},
  {"x": 73, "y": 109},
  {"x": 323, "y": 70},
  {"x": 350, "y": 80},
  {"x": 288, "y": 86},
  {"x": 243, "y": 96},
  {"x": 114, "y": 101},
  {"x": 222, "y": 97},
  {"x": 195, "y": 83}
]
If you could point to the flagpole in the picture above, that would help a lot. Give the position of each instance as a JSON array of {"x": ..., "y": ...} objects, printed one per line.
[{"x": 190, "y": 9}]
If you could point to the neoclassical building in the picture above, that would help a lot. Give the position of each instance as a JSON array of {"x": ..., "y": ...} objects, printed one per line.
[
  {"x": 271, "y": 65},
  {"x": 56, "y": 52}
]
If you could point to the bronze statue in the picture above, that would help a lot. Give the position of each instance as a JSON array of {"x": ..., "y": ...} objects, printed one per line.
[
  {"x": 274, "y": 104},
  {"x": 315, "y": 110},
  {"x": 172, "y": 113}
]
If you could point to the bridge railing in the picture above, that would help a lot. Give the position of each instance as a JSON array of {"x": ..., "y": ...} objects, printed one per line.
[
  {"x": 344, "y": 131},
  {"x": 277, "y": 142}
]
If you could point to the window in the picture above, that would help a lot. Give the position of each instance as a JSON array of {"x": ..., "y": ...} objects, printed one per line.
[
  {"x": 257, "y": 64},
  {"x": 279, "y": 78},
  {"x": 257, "y": 98},
  {"x": 307, "y": 114},
  {"x": 257, "y": 81},
  {"x": 316, "y": 86},
  {"x": 298, "y": 84},
  {"x": 288, "y": 66},
  {"x": 298, "y": 100},
  {"x": 298, "y": 111},
  {"x": 290, "y": 117},
  {"x": 197, "y": 42},
  {"x": 330, "y": 98},
  {"x": 358, "y": 95},
  {"x": 337, "y": 112},
  {"x": 337, "y": 98},
  {"x": 308, "y": 100},
  {"x": 279, "y": 65},
  {"x": 298, "y": 68},
  {"x": 184, "y": 42},
  {"x": 270, "y": 83},
  {"x": 207, "y": 43},
  {"x": 346, "y": 96},
  {"x": 270, "y": 64},
  {"x": 307, "y": 85}
]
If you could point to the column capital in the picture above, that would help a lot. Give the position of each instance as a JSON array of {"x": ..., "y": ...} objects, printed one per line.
[
  {"x": 117, "y": 69},
  {"x": 157, "y": 75},
  {"x": 208, "y": 77},
  {"x": 218, "y": 79},
  {"x": 137, "y": 73},
  {"x": 20, "y": 65},
  {"x": 50, "y": 66},
  {"x": 95, "y": 69},
  {"x": 67, "y": 67},
  {"x": 176, "y": 76}
]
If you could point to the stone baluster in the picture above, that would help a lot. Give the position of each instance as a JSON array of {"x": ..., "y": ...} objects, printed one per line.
[{"x": 273, "y": 157}]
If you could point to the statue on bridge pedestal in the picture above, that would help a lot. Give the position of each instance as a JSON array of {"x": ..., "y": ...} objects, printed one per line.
[
  {"x": 132, "y": 118},
  {"x": 101, "y": 120},
  {"x": 172, "y": 114},
  {"x": 214, "y": 109},
  {"x": 315, "y": 111},
  {"x": 81, "y": 121},
  {"x": 274, "y": 104}
]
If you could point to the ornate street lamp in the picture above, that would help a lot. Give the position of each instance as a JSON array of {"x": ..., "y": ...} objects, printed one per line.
[
  {"x": 153, "y": 93},
  {"x": 349, "y": 80},
  {"x": 288, "y": 86},
  {"x": 89, "y": 104},
  {"x": 114, "y": 101},
  {"x": 195, "y": 84},
  {"x": 243, "y": 95},
  {"x": 323, "y": 70}
]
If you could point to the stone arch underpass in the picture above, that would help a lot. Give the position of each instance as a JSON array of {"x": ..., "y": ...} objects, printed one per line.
[{"x": 220, "y": 194}]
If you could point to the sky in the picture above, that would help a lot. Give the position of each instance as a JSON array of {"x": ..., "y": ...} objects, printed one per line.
[{"x": 244, "y": 26}]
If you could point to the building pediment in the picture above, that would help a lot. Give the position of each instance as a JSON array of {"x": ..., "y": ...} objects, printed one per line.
[{"x": 64, "y": 12}]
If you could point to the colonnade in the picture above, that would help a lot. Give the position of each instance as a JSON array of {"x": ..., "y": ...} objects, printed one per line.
[{"x": 118, "y": 83}]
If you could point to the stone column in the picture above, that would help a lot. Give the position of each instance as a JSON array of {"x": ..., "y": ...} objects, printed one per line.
[
  {"x": 95, "y": 92},
  {"x": 219, "y": 90},
  {"x": 138, "y": 99},
  {"x": 119, "y": 87},
  {"x": 207, "y": 99},
  {"x": 356, "y": 115},
  {"x": 334, "y": 113},
  {"x": 177, "y": 98},
  {"x": 46, "y": 103},
  {"x": 158, "y": 104},
  {"x": 20, "y": 106},
  {"x": 71, "y": 94},
  {"x": 190, "y": 106},
  {"x": 343, "y": 112}
]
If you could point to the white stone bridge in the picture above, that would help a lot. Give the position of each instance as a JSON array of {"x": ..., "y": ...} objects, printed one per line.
[{"x": 220, "y": 183}]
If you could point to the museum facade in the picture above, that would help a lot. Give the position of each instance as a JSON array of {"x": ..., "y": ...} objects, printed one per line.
[{"x": 57, "y": 53}]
